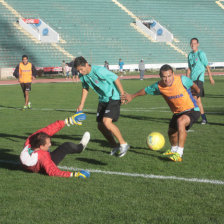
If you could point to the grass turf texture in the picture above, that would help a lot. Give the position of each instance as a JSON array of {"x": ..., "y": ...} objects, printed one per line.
[{"x": 34, "y": 198}]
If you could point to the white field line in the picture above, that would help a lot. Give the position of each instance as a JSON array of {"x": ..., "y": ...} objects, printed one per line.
[
  {"x": 158, "y": 109},
  {"x": 146, "y": 176}
]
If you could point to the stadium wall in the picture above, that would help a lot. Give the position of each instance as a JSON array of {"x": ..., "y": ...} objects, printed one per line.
[{"x": 7, "y": 73}]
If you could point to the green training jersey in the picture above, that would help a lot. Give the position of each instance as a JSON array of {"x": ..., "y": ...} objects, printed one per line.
[
  {"x": 102, "y": 81},
  {"x": 197, "y": 62}
]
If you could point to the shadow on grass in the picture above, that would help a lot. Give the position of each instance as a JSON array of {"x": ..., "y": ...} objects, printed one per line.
[
  {"x": 9, "y": 161},
  {"x": 92, "y": 161},
  {"x": 147, "y": 118},
  {"x": 12, "y": 137},
  {"x": 214, "y": 96},
  {"x": 10, "y": 107},
  {"x": 157, "y": 155},
  {"x": 211, "y": 123}
]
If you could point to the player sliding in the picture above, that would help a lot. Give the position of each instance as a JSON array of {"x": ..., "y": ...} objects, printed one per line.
[
  {"x": 176, "y": 91},
  {"x": 36, "y": 157},
  {"x": 108, "y": 86}
]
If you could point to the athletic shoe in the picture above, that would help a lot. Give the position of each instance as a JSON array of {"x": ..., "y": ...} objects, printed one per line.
[
  {"x": 176, "y": 157},
  {"x": 168, "y": 152},
  {"x": 85, "y": 139},
  {"x": 204, "y": 122},
  {"x": 29, "y": 105},
  {"x": 123, "y": 150},
  {"x": 25, "y": 108},
  {"x": 115, "y": 150}
]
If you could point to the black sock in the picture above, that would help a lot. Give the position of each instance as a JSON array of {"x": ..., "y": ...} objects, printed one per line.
[{"x": 203, "y": 117}]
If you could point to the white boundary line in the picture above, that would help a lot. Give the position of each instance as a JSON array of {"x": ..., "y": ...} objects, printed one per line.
[
  {"x": 122, "y": 109},
  {"x": 146, "y": 176}
]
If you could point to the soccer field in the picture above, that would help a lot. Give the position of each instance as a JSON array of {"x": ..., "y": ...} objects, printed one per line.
[{"x": 142, "y": 187}]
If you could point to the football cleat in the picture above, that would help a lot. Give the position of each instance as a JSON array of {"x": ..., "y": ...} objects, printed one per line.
[
  {"x": 204, "y": 122},
  {"x": 176, "y": 157},
  {"x": 25, "y": 108},
  {"x": 29, "y": 105},
  {"x": 168, "y": 152},
  {"x": 122, "y": 150},
  {"x": 115, "y": 150},
  {"x": 85, "y": 139}
]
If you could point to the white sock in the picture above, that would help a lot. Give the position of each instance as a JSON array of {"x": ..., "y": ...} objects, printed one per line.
[
  {"x": 180, "y": 151},
  {"x": 122, "y": 145},
  {"x": 174, "y": 148}
]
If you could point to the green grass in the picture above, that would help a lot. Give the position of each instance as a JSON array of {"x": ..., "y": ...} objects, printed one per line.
[{"x": 34, "y": 198}]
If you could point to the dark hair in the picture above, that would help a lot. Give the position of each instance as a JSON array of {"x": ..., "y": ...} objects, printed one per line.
[
  {"x": 24, "y": 56},
  {"x": 80, "y": 61},
  {"x": 165, "y": 68},
  {"x": 38, "y": 139},
  {"x": 194, "y": 38}
]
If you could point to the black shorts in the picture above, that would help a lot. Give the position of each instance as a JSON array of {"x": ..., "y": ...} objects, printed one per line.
[
  {"x": 110, "y": 110},
  {"x": 192, "y": 114},
  {"x": 25, "y": 86},
  {"x": 200, "y": 85}
]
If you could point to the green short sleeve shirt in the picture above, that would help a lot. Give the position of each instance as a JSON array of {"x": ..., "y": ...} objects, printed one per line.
[
  {"x": 197, "y": 62},
  {"x": 102, "y": 81}
]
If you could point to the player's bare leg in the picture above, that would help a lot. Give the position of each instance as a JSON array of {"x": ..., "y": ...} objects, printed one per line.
[
  {"x": 107, "y": 134},
  {"x": 199, "y": 103},
  {"x": 26, "y": 97},
  {"x": 113, "y": 129},
  {"x": 182, "y": 123},
  {"x": 76, "y": 78},
  {"x": 173, "y": 137}
]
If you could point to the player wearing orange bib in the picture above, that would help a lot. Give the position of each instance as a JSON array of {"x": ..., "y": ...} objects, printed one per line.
[
  {"x": 25, "y": 73},
  {"x": 176, "y": 90}
]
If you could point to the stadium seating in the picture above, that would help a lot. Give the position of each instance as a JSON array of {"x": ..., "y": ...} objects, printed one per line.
[
  {"x": 100, "y": 30},
  {"x": 187, "y": 19}
]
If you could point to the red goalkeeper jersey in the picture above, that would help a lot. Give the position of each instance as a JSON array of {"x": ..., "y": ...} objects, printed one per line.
[{"x": 40, "y": 160}]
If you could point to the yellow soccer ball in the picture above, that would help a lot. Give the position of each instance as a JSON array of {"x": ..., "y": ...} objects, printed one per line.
[{"x": 155, "y": 141}]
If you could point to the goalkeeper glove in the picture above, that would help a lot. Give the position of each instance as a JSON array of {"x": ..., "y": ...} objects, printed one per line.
[
  {"x": 75, "y": 119},
  {"x": 81, "y": 174}
]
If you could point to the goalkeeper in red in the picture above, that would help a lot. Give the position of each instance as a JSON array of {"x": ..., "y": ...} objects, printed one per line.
[
  {"x": 37, "y": 158},
  {"x": 176, "y": 90}
]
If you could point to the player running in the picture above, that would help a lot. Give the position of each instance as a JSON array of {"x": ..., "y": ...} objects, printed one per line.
[
  {"x": 25, "y": 72},
  {"x": 36, "y": 157},
  {"x": 108, "y": 86},
  {"x": 197, "y": 63},
  {"x": 177, "y": 93}
]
